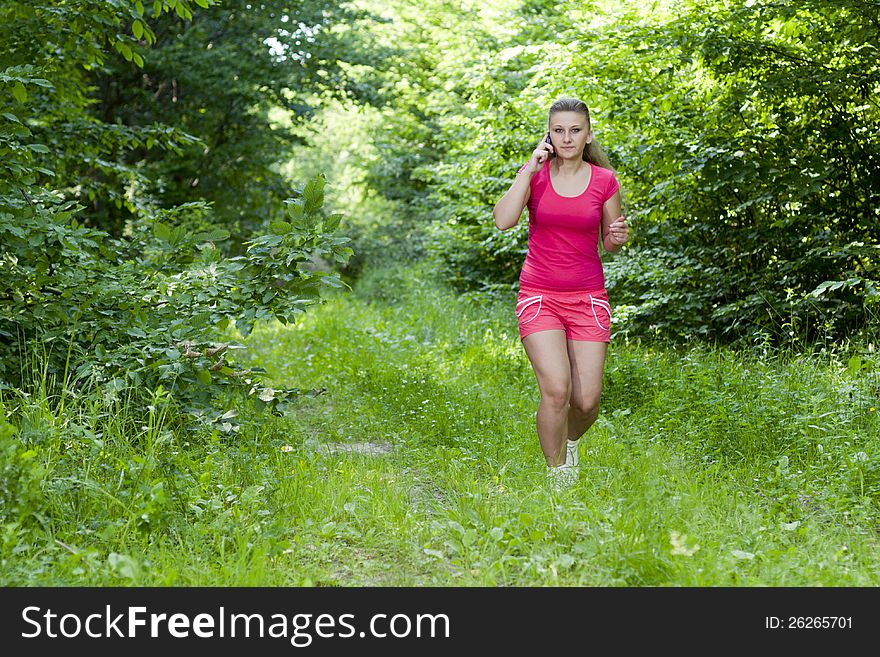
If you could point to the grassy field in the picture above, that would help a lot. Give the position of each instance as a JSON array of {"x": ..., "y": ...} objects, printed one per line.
[{"x": 418, "y": 464}]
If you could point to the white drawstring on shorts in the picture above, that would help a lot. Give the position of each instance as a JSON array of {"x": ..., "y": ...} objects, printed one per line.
[
  {"x": 602, "y": 304},
  {"x": 525, "y": 303}
]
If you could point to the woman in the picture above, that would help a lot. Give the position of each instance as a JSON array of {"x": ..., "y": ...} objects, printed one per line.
[{"x": 564, "y": 315}]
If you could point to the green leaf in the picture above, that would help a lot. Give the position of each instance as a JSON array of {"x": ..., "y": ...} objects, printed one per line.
[
  {"x": 123, "y": 566},
  {"x": 182, "y": 11},
  {"x": 19, "y": 92},
  {"x": 331, "y": 223},
  {"x": 137, "y": 28},
  {"x": 138, "y": 60},
  {"x": 124, "y": 49},
  {"x": 204, "y": 376},
  {"x": 280, "y": 227},
  {"x": 219, "y": 234},
  {"x": 295, "y": 209},
  {"x": 202, "y": 3},
  {"x": 314, "y": 194},
  {"x": 216, "y": 235},
  {"x": 343, "y": 255},
  {"x": 162, "y": 231},
  {"x": 139, "y": 7},
  {"x": 855, "y": 364}
]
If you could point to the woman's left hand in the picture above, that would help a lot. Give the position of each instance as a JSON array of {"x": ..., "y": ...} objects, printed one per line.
[{"x": 618, "y": 231}]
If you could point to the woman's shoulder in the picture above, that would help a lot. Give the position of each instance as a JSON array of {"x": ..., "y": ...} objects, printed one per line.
[
  {"x": 606, "y": 181},
  {"x": 604, "y": 172}
]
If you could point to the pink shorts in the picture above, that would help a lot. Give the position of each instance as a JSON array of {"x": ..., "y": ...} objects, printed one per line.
[{"x": 583, "y": 315}]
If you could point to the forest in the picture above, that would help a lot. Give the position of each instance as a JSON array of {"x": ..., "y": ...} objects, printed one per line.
[{"x": 257, "y": 326}]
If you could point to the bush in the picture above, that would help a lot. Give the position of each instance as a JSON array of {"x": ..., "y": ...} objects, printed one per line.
[{"x": 153, "y": 308}]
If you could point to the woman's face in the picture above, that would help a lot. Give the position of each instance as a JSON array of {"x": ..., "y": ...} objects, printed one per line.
[{"x": 570, "y": 134}]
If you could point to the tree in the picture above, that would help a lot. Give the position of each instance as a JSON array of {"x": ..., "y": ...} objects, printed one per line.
[
  {"x": 744, "y": 135},
  {"x": 137, "y": 299}
]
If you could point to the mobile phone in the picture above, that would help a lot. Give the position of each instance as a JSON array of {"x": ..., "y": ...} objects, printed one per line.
[{"x": 548, "y": 140}]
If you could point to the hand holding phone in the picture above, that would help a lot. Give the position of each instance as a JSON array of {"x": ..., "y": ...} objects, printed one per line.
[{"x": 543, "y": 151}]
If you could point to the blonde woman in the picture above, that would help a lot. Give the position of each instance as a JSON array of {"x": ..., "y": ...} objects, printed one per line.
[{"x": 563, "y": 309}]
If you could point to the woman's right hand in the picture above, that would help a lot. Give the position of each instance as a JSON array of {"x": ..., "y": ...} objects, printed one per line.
[{"x": 540, "y": 155}]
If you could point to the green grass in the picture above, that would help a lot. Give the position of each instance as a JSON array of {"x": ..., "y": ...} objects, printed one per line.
[{"x": 707, "y": 467}]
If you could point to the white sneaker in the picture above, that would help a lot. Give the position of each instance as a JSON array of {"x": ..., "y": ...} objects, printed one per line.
[
  {"x": 571, "y": 452},
  {"x": 562, "y": 476}
]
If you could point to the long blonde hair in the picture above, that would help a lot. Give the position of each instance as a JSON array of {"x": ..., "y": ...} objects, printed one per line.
[{"x": 593, "y": 152}]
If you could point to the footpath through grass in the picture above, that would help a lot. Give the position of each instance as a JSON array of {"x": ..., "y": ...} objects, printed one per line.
[{"x": 418, "y": 464}]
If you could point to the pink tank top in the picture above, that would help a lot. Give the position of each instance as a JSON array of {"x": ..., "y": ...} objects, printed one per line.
[{"x": 563, "y": 250}]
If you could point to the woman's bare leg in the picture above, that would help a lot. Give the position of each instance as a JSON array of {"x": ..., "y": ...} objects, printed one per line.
[
  {"x": 587, "y": 366},
  {"x": 549, "y": 356}
]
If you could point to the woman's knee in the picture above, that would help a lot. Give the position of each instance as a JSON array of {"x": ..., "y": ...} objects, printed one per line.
[
  {"x": 587, "y": 406},
  {"x": 556, "y": 395}
]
